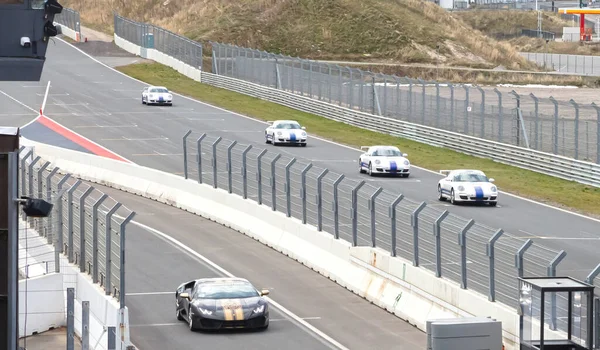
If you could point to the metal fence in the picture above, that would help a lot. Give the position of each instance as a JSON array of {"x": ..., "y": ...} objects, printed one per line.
[
  {"x": 577, "y": 64},
  {"x": 70, "y": 19},
  {"x": 548, "y": 125},
  {"x": 149, "y": 36},
  {"x": 86, "y": 225}
]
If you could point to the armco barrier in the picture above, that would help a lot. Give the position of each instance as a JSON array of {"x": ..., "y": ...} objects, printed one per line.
[
  {"x": 541, "y": 162},
  {"x": 412, "y": 293}
]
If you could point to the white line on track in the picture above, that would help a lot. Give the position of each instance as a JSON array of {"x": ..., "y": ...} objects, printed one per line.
[
  {"x": 148, "y": 293},
  {"x": 221, "y": 270},
  {"x": 319, "y": 138}
]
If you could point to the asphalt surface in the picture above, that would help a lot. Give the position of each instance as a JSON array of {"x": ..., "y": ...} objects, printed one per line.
[
  {"x": 105, "y": 106},
  {"x": 156, "y": 266}
]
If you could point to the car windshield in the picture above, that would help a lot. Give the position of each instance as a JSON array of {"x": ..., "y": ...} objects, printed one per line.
[
  {"x": 471, "y": 177},
  {"x": 159, "y": 90},
  {"x": 288, "y": 126},
  {"x": 226, "y": 291},
  {"x": 387, "y": 152}
]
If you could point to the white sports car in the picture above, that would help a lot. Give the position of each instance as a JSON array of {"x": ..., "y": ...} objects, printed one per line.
[
  {"x": 157, "y": 95},
  {"x": 285, "y": 131},
  {"x": 464, "y": 185},
  {"x": 384, "y": 160}
]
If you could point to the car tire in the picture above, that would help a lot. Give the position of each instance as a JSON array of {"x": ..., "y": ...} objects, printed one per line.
[
  {"x": 303, "y": 144},
  {"x": 143, "y": 102},
  {"x": 452, "y": 196},
  {"x": 370, "y": 171},
  {"x": 273, "y": 140},
  {"x": 360, "y": 168},
  {"x": 405, "y": 175},
  {"x": 493, "y": 204},
  {"x": 178, "y": 313},
  {"x": 441, "y": 198}
]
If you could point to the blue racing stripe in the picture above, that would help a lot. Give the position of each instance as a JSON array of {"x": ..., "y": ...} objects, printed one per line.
[
  {"x": 292, "y": 136},
  {"x": 393, "y": 166},
  {"x": 478, "y": 192}
]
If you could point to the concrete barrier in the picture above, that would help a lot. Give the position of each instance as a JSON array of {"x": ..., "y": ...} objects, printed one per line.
[
  {"x": 47, "y": 294},
  {"x": 394, "y": 284},
  {"x": 68, "y": 32}
]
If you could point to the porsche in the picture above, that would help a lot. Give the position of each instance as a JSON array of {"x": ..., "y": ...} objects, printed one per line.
[
  {"x": 220, "y": 303},
  {"x": 383, "y": 160},
  {"x": 466, "y": 185},
  {"x": 285, "y": 131},
  {"x": 157, "y": 95}
]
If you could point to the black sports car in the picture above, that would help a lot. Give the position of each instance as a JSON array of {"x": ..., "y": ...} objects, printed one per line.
[{"x": 215, "y": 303}]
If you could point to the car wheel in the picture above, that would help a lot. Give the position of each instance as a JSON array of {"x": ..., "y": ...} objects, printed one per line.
[
  {"x": 267, "y": 138},
  {"x": 191, "y": 320},
  {"x": 370, "y": 171},
  {"x": 303, "y": 144},
  {"x": 178, "y": 313},
  {"x": 405, "y": 175},
  {"x": 493, "y": 204},
  {"x": 440, "y": 196},
  {"x": 360, "y": 168},
  {"x": 143, "y": 102},
  {"x": 452, "y": 197},
  {"x": 273, "y": 140}
]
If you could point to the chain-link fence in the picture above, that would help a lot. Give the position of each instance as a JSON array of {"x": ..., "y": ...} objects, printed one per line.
[
  {"x": 547, "y": 125},
  {"x": 149, "y": 36},
  {"x": 577, "y": 64},
  {"x": 85, "y": 225},
  {"x": 70, "y": 19}
]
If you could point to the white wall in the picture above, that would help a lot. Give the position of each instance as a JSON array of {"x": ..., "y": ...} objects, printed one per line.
[
  {"x": 41, "y": 304},
  {"x": 66, "y": 31},
  {"x": 411, "y": 293}
]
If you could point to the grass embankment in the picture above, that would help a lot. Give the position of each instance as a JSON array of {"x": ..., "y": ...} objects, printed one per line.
[
  {"x": 405, "y": 31},
  {"x": 582, "y": 198},
  {"x": 506, "y": 25}
]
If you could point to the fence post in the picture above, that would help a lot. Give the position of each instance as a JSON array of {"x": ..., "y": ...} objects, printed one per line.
[
  {"x": 82, "y": 242},
  {"x": 112, "y": 336},
  {"x": 354, "y": 213},
  {"x": 414, "y": 222},
  {"x": 392, "y": 215},
  {"x": 334, "y": 207},
  {"x": 422, "y": 82},
  {"x": 30, "y": 182},
  {"x": 49, "y": 199},
  {"x": 576, "y": 132},
  {"x": 437, "y": 104},
  {"x": 500, "y": 115},
  {"x": 537, "y": 120},
  {"x": 122, "y": 227},
  {"x": 95, "y": 237},
  {"x": 214, "y": 160},
  {"x": 259, "y": 175},
  {"x": 552, "y": 273},
  {"x": 467, "y": 107},
  {"x": 288, "y": 188},
  {"x": 229, "y": 177},
  {"x": 273, "y": 183},
  {"x": 491, "y": 255},
  {"x": 199, "y": 156},
  {"x": 24, "y": 176},
  {"x": 372, "y": 209},
  {"x": 518, "y": 100},
  {"x": 482, "y": 113},
  {"x": 59, "y": 213},
  {"x": 108, "y": 253},
  {"x": 519, "y": 257},
  {"x": 592, "y": 276},
  {"x": 597, "y": 323},
  {"x": 597, "y": 108},
  {"x": 244, "y": 174},
  {"x": 70, "y": 192},
  {"x": 319, "y": 200},
  {"x": 303, "y": 191},
  {"x": 451, "y": 106},
  {"x": 85, "y": 325},
  {"x": 40, "y": 178},
  {"x": 462, "y": 242},
  {"x": 555, "y": 128},
  {"x": 70, "y": 318},
  {"x": 438, "y": 242},
  {"x": 185, "y": 157}
]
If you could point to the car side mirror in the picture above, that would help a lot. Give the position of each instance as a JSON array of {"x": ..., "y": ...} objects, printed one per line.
[
  {"x": 185, "y": 295},
  {"x": 264, "y": 292},
  {"x": 492, "y": 180},
  {"x": 404, "y": 155},
  {"x": 304, "y": 128}
]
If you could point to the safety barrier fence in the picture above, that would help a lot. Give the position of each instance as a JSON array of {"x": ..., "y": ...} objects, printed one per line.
[
  {"x": 577, "y": 64},
  {"x": 70, "y": 19},
  {"x": 86, "y": 225}
]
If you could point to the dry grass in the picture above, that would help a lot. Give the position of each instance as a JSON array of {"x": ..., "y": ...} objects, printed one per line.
[{"x": 396, "y": 30}]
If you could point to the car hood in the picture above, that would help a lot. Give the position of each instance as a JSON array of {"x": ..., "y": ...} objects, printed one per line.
[
  {"x": 164, "y": 94},
  {"x": 297, "y": 132},
  {"x": 388, "y": 160},
  {"x": 473, "y": 186},
  {"x": 228, "y": 309}
]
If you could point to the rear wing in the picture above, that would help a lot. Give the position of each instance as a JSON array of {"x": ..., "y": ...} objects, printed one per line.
[
  {"x": 364, "y": 148},
  {"x": 445, "y": 172}
]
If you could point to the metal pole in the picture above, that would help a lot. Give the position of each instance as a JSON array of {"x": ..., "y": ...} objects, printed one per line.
[
  {"x": 108, "y": 253},
  {"x": 303, "y": 191},
  {"x": 372, "y": 209},
  {"x": 414, "y": 221},
  {"x": 466, "y": 125},
  {"x": 392, "y": 215},
  {"x": 244, "y": 170},
  {"x": 273, "y": 183},
  {"x": 85, "y": 325},
  {"x": 462, "y": 242},
  {"x": 214, "y": 160},
  {"x": 185, "y": 158},
  {"x": 59, "y": 212},
  {"x": 552, "y": 273},
  {"x": 438, "y": 242},
  {"x": 199, "y": 156},
  {"x": 537, "y": 120},
  {"x": 319, "y": 200},
  {"x": 482, "y": 115},
  {"x": 500, "y": 115},
  {"x": 491, "y": 256},
  {"x": 82, "y": 243},
  {"x": 70, "y": 232},
  {"x": 122, "y": 227},
  {"x": 336, "y": 218},
  {"x": 288, "y": 187},
  {"x": 259, "y": 175},
  {"x": 519, "y": 257},
  {"x": 94, "y": 270},
  {"x": 30, "y": 181},
  {"x": 518, "y": 99},
  {"x": 592, "y": 276},
  {"x": 555, "y": 128},
  {"x": 12, "y": 247},
  {"x": 112, "y": 336},
  {"x": 70, "y": 318},
  {"x": 355, "y": 213},
  {"x": 229, "y": 177},
  {"x": 576, "y": 131}
]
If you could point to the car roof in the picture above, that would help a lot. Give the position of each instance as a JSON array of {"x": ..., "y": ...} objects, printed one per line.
[
  {"x": 223, "y": 280},
  {"x": 285, "y": 121},
  {"x": 462, "y": 171},
  {"x": 382, "y": 147},
  {"x": 157, "y": 87}
]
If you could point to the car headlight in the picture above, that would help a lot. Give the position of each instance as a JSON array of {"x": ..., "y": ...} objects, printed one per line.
[
  {"x": 279, "y": 133},
  {"x": 169, "y": 97},
  {"x": 406, "y": 162},
  {"x": 303, "y": 134},
  {"x": 151, "y": 96},
  {"x": 205, "y": 312},
  {"x": 494, "y": 189},
  {"x": 461, "y": 188},
  {"x": 259, "y": 309},
  {"x": 377, "y": 161}
]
